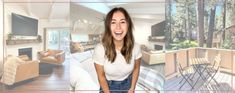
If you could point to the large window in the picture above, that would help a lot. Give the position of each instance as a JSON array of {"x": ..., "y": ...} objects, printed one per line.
[
  {"x": 80, "y": 37},
  {"x": 58, "y": 39}
]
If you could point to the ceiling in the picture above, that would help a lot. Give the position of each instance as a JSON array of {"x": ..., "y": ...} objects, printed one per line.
[
  {"x": 41, "y": 9},
  {"x": 88, "y": 17},
  {"x": 90, "y": 12},
  {"x": 60, "y": 9},
  {"x": 147, "y": 11}
]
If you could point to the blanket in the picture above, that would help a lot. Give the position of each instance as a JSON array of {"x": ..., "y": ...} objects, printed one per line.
[
  {"x": 151, "y": 80},
  {"x": 10, "y": 68}
]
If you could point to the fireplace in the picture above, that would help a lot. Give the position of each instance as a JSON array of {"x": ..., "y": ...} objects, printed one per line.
[
  {"x": 25, "y": 51},
  {"x": 158, "y": 47}
]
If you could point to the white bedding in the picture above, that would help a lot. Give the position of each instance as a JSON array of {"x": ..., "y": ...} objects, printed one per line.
[{"x": 83, "y": 77}]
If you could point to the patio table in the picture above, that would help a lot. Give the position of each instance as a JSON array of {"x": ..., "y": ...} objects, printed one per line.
[{"x": 199, "y": 65}]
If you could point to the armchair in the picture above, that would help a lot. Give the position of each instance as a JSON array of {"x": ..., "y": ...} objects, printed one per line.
[
  {"x": 76, "y": 47},
  {"x": 153, "y": 57},
  {"x": 81, "y": 47},
  {"x": 52, "y": 56},
  {"x": 18, "y": 69}
]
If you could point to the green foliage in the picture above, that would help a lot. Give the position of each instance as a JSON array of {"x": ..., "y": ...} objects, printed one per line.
[
  {"x": 10, "y": 36},
  {"x": 183, "y": 44},
  {"x": 227, "y": 42},
  {"x": 182, "y": 17}
]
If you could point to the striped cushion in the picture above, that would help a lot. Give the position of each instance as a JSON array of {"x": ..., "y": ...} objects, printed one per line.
[{"x": 151, "y": 79}]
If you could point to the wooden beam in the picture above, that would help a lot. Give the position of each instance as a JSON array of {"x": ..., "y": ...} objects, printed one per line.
[{"x": 51, "y": 10}]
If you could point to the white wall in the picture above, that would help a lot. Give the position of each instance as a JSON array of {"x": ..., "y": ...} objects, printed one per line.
[
  {"x": 13, "y": 8},
  {"x": 1, "y": 37},
  {"x": 42, "y": 23},
  {"x": 142, "y": 31},
  {"x": 13, "y": 49}
]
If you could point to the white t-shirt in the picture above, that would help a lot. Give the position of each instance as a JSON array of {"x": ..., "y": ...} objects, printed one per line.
[{"x": 119, "y": 69}]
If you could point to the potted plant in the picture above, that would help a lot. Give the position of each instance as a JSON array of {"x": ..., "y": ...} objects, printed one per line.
[
  {"x": 73, "y": 87},
  {"x": 39, "y": 37},
  {"x": 10, "y": 36}
]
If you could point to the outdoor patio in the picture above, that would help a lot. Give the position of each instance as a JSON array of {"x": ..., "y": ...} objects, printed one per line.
[
  {"x": 225, "y": 75},
  {"x": 224, "y": 79}
]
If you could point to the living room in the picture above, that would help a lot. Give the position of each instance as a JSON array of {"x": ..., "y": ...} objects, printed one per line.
[{"x": 37, "y": 55}]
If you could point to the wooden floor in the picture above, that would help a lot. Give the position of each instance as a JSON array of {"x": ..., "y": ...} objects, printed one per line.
[
  {"x": 56, "y": 82},
  {"x": 226, "y": 84}
]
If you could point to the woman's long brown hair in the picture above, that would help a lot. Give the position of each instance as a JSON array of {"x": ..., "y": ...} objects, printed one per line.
[{"x": 107, "y": 39}]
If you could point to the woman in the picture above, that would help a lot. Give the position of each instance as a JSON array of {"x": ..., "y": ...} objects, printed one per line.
[{"x": 117, "y": 59}]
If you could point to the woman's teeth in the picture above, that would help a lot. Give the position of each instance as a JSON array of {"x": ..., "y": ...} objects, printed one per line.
[{"x": 118, "y": 33}]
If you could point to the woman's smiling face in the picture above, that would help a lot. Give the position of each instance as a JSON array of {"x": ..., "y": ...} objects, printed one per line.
[{"x": 119, "y": 26}]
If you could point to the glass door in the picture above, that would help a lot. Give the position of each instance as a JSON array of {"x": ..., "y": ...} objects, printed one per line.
[{"x": 58, "y": 39}]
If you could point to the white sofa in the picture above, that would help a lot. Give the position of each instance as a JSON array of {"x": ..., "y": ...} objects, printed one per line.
[
  {"x": 83, "y": 77},
  {"x": 153, "y": 57}
]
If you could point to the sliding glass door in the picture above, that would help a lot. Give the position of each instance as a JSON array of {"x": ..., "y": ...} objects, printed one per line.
[{"x": 58, "y": 39}]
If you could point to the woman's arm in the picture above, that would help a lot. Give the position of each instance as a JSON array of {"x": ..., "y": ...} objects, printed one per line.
[
  {"x": 102, "y": 78},
  {"x": 135, "y": 75}
]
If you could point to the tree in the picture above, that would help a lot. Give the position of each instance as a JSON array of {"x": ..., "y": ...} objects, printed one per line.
[
  {"x": 211, "y": 27},
  {"x": 168, "y": 33},
  {"x": 191, "y": 18},
  {"x": 230, "y": 15},
  {"x": 224, "y": 20},
  {"x": 200, "y": 13}
]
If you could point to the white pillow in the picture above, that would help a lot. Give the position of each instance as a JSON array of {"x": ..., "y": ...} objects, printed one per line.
[
  {"x": 82, "y": 80},
  {"x": 14, "y": 60},
  {"x": 88, "y": 65}
]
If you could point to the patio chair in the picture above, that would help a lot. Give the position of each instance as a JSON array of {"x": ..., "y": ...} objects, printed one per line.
[
  {"x": 187, "y": 75},
  {"x": 213, "y": 69}
]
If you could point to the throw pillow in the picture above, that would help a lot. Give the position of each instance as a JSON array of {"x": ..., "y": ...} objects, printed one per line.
[
  {"x": 24, "y": 57},
  {"x": 18, "y": 60},
  {"x": 52, "y": 52},
  {"x": 44, "y": 53},
  {"x": 14, "y": 59}
]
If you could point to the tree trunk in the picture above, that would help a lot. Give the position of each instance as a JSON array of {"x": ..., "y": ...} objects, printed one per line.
[
  {"x": 200, "y": 23},
  {"x": 168, "y": 33},
  {"x": 211, "y": 28},
  {"x": 189, "y": 26},
  {"x": 224, "y": 21},
  {"x": 185, "y": 29}
]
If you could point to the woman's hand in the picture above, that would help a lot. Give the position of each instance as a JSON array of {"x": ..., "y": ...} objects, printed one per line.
[{"x": 131, "y": 90}]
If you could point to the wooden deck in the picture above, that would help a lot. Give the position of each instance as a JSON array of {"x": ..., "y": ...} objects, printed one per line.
[{"x": 226, "y": 85}]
